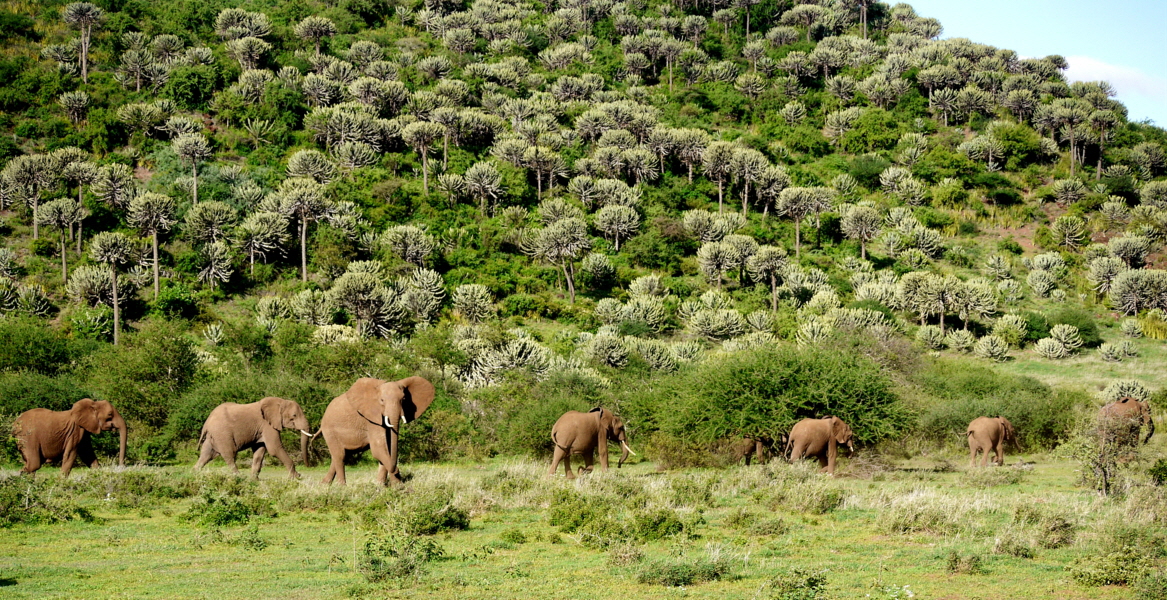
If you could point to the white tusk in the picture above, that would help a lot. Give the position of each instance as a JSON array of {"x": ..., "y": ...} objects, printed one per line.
[
  {"x": 625, "y": 444},
  {"x": 385, "y": 420},
  {"x": 404, "y": 420},
  {"x": 305, "y": 433}
]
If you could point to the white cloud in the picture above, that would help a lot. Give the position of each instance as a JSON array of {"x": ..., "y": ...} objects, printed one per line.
[{"x": 1126, "y": 80}]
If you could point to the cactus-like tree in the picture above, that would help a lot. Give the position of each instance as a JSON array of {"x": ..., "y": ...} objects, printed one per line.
[
  {"x": 483, "y": 182},
  {"x": 421, "y": 135},
  {"x": 84, "y": 17},
  {"x": 31, "y": 174},
  {"x": 61, "y": 213},
  {"x": 315, "y": 29},
  {"x": 76, "y": 106},
  {"x": 114, "y": 249},
  {"x": 617, "y": 222},
  {"x": 304, "y": 200},
  {"x": 192, "y": 149},
  {"x": 862, "y": 224},
  {"x": 152, "y": 214},
  {"x": 561, "y": 244},
  {"x": 718, "y": 162}
]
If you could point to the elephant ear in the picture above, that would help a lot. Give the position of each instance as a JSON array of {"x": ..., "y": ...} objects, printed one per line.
[
  {"x": 418, "y": 396},
  {"x": 365, "y": 397},
  {"x": 269, "y": 409},
  {"x": 840, "y": 431},
  {"x": 84, "y": 413}
]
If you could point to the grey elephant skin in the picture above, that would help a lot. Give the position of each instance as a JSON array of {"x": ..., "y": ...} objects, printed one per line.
[
  {"x": 233, "y": 427},
  {"x": 44, "y": 435},
  {"x": 583, "y": 434},
  {"x": 821, "y": 439},
  {"x": 370, "y": 415},
  {"x": 989, "y": 434},
  {"x": 1123, "y": 418}
]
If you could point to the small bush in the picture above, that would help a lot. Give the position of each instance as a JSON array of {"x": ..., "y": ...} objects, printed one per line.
[
  {"x": 35, "y": 501},
  {"x": 513, "y": 535},
  {"x": 217, "y": 509},
  {"x": 625, "y": 555},
  {"x": 1123, "y": 555},
  {"x": 1158, "y": 472},
  {"x": 433, "y": 513},
  {"x": 657, "y": 524},
  {"x": 930, "y": 512},
  {"x": 1014, "y": 544},
  {"x": 964, "y": 564},
  {"x": 1152, "y": 587},
  {"x": 398, "y": 556},
  {"x": 679, "y": 571},
  {"x": 756, "y": 524},
  {"x": 799, "y": 584},
  {"x": 569, "y": 510},
  {"x": 1054, "y": 529}
]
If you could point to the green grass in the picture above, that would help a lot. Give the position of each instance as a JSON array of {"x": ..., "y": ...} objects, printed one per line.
[
  {"x": 142, "y": 548},
  {"x": 1087, "y": 371}
]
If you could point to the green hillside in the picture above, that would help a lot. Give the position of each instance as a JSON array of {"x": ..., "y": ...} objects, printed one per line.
[{"x": 715, "y": 219}]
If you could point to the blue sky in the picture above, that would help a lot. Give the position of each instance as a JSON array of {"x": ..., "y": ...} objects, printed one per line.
[{"x": 1120, "y": 41}]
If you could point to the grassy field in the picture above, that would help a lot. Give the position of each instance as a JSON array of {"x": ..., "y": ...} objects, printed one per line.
[{"x": 878, "y": 530}]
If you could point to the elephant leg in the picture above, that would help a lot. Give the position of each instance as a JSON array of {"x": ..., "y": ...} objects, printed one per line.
[
  {"x": 336, "y": 466},
  {"x": 986, "y": 449},
  {"x": 67, "y": 461},
  {"x": 1001, "y": 454},
  {"x": 589, "y": 461},
  {"x": 228, "y": 455},
  {"x": 271, "y": 441},
  {"x": 379, "y": 447},
  {"x": 567, "y": 465},
  {"x": 257, "y": 461},
  {"x": 555, "y": 460},
  {"x": 207, "y": 454},
  {"x": 32, "y": 459},
  {"x": 798, "y": 452},
  {"x": 86, "y": 454},
  {"x": 825, "y": 464}
]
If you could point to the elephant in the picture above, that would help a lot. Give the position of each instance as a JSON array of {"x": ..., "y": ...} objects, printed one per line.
[
  {"x": 820, "y": 438},
  {"x": 989, "y": 434},
  {"x": 1123, "y": 418},
  {"x": 369, "y": 415},
  {"x": 585, "y": 433},
  {"x": 44, "y": 435},
  {"x": 749, "y": 447},
  {"x": 233, "y": 427}
]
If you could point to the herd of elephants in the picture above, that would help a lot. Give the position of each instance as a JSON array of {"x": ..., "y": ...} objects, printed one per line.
[{"x": 370, "y": 414}]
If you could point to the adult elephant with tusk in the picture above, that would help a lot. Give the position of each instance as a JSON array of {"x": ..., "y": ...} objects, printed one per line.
[
  {"x": 44, "y": 435},
  {"x": 820, "y": 438},
  {"x": 585, "y": 433},
  {"x": 233, "y": 427},
  {"x": 370, "y": 415}
]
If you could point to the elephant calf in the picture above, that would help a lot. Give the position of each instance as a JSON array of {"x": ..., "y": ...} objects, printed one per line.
[
  {"x": 820, "y": 438},
  {"x": 584, "y": 433},
  {"x": 989, "y": 434},
  {"x": 748, "y": 448},
  {"x": 233, "y": 427},
  {"x": 44, "y": 435}
]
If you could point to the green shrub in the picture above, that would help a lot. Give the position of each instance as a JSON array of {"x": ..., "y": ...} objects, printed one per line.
[
  {"x": 1013, "y": 544},
  {"x": 1010, "y": 246},
  {"x": 396, "y": 556},
  {"x": 432, "y": 513},
  {"x": 29, "y": 345},
  {"x": 756, "y": 524},
  {"x": 991, "y": 477},
  {"x": 1158, "y": 472},
  {"x": 36, "y": 501},
  {"x": 1123, "y": 555},
  {"x": 763, "y": 393},
  {"x": 513, "y": 535},
  {"x": 657, "y": 524},
  {"x": 679, "y": 571},
  {"x": 175, "y": 300},
  {"x": 218, "y": 509},
  {"x": 569, "y": 510},
  {"x": 1083, "y": 320},
  {"x": 28, "y": 390},
  {"x": 965, "y": 564},
  {"x": 1041, "y": 416},
  {"x": 1152, "y": 587},
  {"x": 799, "y": 584}
]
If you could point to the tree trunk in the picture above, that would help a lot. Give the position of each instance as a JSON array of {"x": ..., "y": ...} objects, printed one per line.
[
  {"x": 304, "y": 248},
  {"x": 1101, "y": 149},
  {"x": 64, "y": 265},
  {"x": 154, "y": 244},
  {"x": 863, "y": 17},
  {"x": 720, "y": 197},
  {"x": 446, "y": 149},
  {"x": 425, "y": 174},
  {"x": 773, "y": 292},
  {"x": 798, "y": 238},
  {"x": 195, "y": 188},
  {"x": 862, "y": 248},
  {"x": 570, "y": 284},
  {"x": 36, "y": 229},
  {"x": 85, "y": 33},
  {"x": 251, "y": 254},
  {"x": 690, "y": 172},
  {"x": 745, "y": 198},
  {"x": 117, "y": 314}
]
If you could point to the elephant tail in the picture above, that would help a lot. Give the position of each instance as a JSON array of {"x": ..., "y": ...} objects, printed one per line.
[{"x": 202, "y": 436}]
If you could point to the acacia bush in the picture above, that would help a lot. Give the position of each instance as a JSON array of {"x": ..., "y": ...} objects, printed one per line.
[
  {"x": 1042, "y": 416},
  {"x": 764, "y": 392}
]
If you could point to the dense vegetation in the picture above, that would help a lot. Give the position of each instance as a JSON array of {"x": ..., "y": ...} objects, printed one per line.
[{"x": 715, "y": 219}]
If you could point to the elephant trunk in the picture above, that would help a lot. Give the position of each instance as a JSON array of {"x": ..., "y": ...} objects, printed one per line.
[
  {"x": 304, "y": 440},
  {"x": 120, "y": 424},
  {"x": 1150, "y": 428},
  {"x": 624, "y": 455}
]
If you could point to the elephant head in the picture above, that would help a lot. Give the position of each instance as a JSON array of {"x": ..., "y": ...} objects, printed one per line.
[
  {"x": 1008, "y": 433},
  {"x": 391, "y": 404},
  {"x": 841, "y": 434},
  {"x": 611, "y": 428},
  {"x": 285, "y": 414},
  {"x": 96, "y": 416}
]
